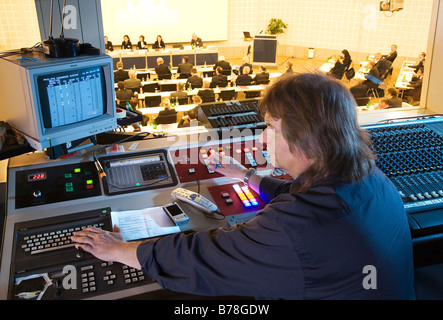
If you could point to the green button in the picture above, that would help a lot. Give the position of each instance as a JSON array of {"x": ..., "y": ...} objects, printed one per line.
[
  {"x": 68, "y": 175},
  {"x": 68, "y": 184},
  {"x": 89, "y": 181},
  {"x": 88, "y": 173},
  {"x": 77, "y": 170},
  {"x": 69, "y": 189}
]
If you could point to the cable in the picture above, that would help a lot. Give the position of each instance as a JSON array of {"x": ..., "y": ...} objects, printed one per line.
[{"x": 210, "y": 215}]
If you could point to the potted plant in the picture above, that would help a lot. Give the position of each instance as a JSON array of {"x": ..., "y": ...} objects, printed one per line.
[{"x": 276, "y": 26}]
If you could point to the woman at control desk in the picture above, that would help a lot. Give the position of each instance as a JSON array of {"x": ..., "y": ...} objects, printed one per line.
[{"x": 319, "y": 233}]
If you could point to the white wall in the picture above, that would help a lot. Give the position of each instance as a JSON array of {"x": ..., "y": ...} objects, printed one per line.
[
  {"x": 356, "y": 25},
  {"x": 322, "y": 24}
]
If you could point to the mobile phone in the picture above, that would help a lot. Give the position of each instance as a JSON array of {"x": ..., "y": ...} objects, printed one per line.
[{"x": 176, "y": 213}]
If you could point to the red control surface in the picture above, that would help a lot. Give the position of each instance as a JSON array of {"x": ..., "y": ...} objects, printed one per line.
[
  {"x": 225, "y": 192},
  {"x": 190, "y": 163}
]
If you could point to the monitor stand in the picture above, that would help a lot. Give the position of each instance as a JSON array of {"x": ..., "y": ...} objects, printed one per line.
[{"x": 69, "y": 147}]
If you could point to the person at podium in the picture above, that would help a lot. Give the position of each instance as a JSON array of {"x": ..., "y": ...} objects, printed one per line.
[{"x": 196, "y": 41}]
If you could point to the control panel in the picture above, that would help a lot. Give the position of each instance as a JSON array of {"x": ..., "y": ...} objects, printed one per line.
[
  {"x": 46, "y": 265},
  {"x": 137, "y": 172},
  {"x": 55, "y": 184},
  {"x": 192, "y": 163},
  {"x": 411, "y": 156},
  {"x": 244, "y": 114}
]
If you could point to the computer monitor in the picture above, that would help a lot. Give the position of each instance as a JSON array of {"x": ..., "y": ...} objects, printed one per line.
[{"x": 54, "y": 101}]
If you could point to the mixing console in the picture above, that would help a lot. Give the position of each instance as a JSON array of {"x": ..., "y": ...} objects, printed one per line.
[
  {"x": 411, "y": 156},
  {"x": 243, "y": 114}
]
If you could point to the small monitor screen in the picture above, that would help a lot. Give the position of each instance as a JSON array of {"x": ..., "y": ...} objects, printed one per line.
[{"x": 72, "y": 96}]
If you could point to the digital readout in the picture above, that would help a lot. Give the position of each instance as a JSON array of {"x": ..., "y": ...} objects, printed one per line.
[{"x": 37, "y": 176}]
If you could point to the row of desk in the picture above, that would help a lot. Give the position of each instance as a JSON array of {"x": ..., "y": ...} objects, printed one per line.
[{"x": 144, "y": 59}]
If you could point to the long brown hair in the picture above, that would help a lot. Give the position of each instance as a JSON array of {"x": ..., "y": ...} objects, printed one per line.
[{"x": 319, "y": 118}]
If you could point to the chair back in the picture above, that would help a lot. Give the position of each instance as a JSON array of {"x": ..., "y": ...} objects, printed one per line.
[
  {"x": 252, "y": 94},
  {"x": 183, "y": 101},
  {"x": 226, "y": 95},
  {"x": 172, "y": 118},
  {"x": 164, "y": 76},
  {"x": 168, "y": 87},
  {"x": 150, "y": 87},
  {"x": 208, "y": 99},
  {"x": 153, "y": 101}
]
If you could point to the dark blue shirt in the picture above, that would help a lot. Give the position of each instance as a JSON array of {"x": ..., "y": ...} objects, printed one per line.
[{"x": 312, "y": 245}]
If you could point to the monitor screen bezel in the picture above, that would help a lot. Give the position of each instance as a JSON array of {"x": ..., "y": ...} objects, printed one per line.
[{"x": 57, "y": 135}]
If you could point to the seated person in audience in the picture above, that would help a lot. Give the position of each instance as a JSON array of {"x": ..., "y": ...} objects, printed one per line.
[
  {"x": 289, "y": 65},
  {"x": 141, "y": 44},
  {"x": 180, "y": 93},
  {"x": 380, "y": 64},
  {"x": 245, "y": 63},
  {"x": 133, "y": 83},
  {"x": 120, "y": 74},
  {"x": 206, "y": 91},
  {"x": 393, "y": 54},
  {"x": 219, "y": 79},
  {"x": 134, "y": 105},
  {"x": 126, "y": 44},
  {"x": 341, "y": 65},
  {"x": 161, "y": 69},
  {"x": 108, "y": 45},
  {"x": 185, "y": 67},
  {"x": 226, "y": 66},
  {"x": 418, "y": 75},
  {"x": 159, "y": 43},
  {"x": 262, "y": 77},
  {"x": 197, "y": 100},
  {"x": 244, "y": 79},
  {"x": 123, "y": 94},
  {"x": 133, "y": 102},
  {"x": 360, "y": 90},
  {"x": 194, "y": 81},
  {"x": 189, "y": 119},
  {"x": 413, "y": 94},
  {"x": 392, "y": 101},
  {"x": 196, "y": 41},
  {"x": 168, "y": 110},
  {"x": 421, "y": 61}
]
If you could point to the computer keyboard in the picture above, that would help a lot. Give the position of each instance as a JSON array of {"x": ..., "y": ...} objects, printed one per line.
[
  {"x": 51, "y": 240},
  {"x": 38, "y": 242}
]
